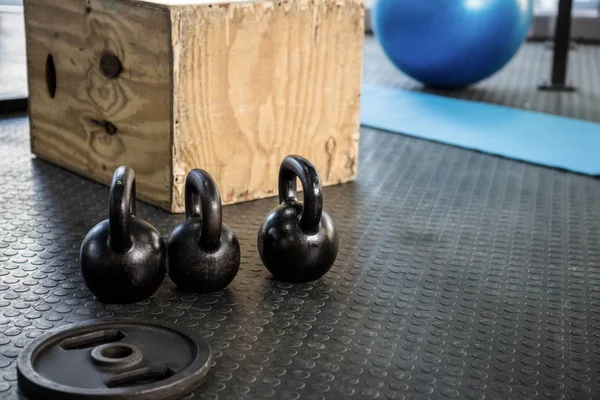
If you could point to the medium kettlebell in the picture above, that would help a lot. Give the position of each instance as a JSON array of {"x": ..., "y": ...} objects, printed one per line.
[
  {"x": 298, "y": 242},
  {"x": 123, "y": 258},
  {"x": 203, "y": 253}
]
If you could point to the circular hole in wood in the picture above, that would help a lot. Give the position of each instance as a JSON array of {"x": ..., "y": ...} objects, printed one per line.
[
  {"x": 50, "y": 76},
  {"x": 110, "y": 65}
]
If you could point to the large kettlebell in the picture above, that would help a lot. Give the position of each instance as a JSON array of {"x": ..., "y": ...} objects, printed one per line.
[
  {"x": 123, "y": 257},
  {"x": 298, "y": 242},
  {"x": 203, "y": 253}
]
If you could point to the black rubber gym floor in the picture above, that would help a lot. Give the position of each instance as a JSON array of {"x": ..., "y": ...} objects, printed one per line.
[{"x": 460, "y": 275}]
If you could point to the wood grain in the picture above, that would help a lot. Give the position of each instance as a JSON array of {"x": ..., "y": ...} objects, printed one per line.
[
  {"x": 76, "y": 128},
  {"x": 256, "y": 81}
]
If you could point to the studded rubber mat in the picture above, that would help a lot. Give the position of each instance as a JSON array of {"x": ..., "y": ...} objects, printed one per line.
[
  {"x": 460, "y": 275},
  {"x": 516, "y": 85}
]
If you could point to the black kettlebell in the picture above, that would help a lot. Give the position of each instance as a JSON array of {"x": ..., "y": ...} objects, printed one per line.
[
  {"x": 298, "y": 242},
  {"x": 123, "y": 257},
  {"x": 203, "y": 253}
]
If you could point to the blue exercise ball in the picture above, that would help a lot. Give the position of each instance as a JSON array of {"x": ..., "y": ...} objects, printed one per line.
[{"x": 451, "y": 43}]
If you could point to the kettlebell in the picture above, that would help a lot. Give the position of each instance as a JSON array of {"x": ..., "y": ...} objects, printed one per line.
[
  {"x": 203, "y": 253},
  {"x": 298, "y": 242},
  {"x": 123, "y": 257}
]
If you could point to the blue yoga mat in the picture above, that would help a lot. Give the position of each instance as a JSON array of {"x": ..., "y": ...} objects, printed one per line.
[{"x": 534, "y": 137}]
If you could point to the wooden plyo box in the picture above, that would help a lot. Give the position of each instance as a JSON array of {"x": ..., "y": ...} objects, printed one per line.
[{"x": 165, "y": 86}]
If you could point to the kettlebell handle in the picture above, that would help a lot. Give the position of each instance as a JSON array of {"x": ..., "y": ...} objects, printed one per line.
[
  {"x": 293, "y": 167},
  {"x": 121, "y": 209},
  {"x": 202, "y": 199}
]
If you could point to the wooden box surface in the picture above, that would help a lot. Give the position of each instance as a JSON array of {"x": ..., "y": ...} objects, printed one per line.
[{"x": 167, "y": 86}]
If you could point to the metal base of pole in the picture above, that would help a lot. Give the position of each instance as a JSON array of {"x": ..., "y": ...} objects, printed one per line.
[{"x": 557, "y": 87}]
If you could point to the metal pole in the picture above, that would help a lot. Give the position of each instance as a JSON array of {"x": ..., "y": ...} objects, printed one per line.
[{"x": 562, "y": 38}]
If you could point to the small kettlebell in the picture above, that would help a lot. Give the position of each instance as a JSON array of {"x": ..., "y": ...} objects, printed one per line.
[
  {"x": 298, "y": 242},
  {"x": 123, "y": 258},
  {"x": 203, "y": 253}
]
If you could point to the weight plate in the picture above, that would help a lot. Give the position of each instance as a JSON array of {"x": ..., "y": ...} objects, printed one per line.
[{"x": 114, "y": 360}]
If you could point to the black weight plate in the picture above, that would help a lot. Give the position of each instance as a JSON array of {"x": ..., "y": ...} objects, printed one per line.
[{"x": 114, "y": 360}]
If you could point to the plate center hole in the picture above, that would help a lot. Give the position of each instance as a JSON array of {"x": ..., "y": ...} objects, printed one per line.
[{"x": 116, "y": 352}]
